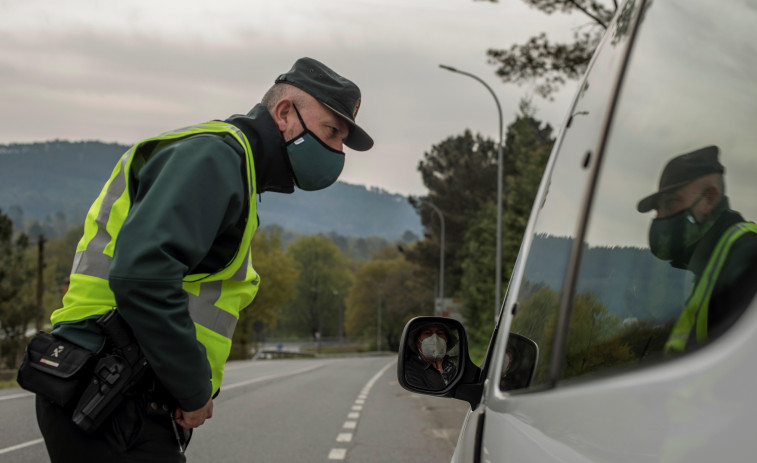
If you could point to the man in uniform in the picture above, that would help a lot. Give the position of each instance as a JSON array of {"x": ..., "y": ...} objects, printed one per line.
[
  {"x": 167, "y": 243},
  {"x": 696, "y": 230}
]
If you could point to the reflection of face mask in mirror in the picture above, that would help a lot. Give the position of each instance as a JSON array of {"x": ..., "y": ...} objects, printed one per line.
[
  {"x": 671, "y": 237},
  {"x": 434, "y": 348}
]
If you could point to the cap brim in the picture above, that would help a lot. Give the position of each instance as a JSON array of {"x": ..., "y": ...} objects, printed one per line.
[
  {"x": 650, "y": 202},
  {"x": 358, "y": 139}
]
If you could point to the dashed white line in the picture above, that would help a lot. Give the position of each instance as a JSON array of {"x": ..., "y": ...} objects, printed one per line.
[
  {"x": 354, "y": 415},
  {"x": 349, "y": 425},
  {"x": 337, "y": 454}
]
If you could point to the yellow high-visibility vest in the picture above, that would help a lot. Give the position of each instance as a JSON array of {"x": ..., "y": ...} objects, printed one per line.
[
  {"x": 694, "y": 315},
  {"x": 214, "y": 299}
]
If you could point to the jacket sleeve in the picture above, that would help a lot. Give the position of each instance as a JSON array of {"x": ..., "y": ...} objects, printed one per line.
[{"x": 185, "y": 196}]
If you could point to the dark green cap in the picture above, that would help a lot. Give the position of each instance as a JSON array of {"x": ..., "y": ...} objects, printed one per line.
[
  {"x": 333, "y": 91},
  {"x": 682, "y": 170}
]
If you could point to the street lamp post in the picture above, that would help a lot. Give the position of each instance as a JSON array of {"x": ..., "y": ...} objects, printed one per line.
[
  {"x": 500, "y": 172},
  {"x": 378, "y": 324},
  {"x": 441, "y": 247}
]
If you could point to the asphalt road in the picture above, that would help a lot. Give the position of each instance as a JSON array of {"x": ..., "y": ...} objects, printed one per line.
[{"x": 314, "y": 410}]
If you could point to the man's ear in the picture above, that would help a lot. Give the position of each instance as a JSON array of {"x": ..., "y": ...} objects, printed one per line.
[{"x": 282, "y": 114}]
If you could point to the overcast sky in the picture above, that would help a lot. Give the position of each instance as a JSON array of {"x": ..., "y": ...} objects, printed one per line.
[{"x": 127, "y": 70}]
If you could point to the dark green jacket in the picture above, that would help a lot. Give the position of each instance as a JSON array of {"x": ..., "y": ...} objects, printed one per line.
[{"x": 188, "y": 202}]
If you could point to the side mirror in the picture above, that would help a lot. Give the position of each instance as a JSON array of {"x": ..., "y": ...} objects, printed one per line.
[
  {"x": 521, "y": 354},
  {"x": 433, "y": 360}
]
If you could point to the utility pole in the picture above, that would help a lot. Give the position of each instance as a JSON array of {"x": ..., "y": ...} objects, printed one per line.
[{"x": 40, "y": 279}]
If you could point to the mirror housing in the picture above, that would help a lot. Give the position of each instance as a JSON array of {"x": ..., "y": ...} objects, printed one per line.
[{"x": 454, "y": 375}]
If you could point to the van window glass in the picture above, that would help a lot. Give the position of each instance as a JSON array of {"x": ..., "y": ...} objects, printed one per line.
[
  {"x": 539, "y": 293},
  {"x": 638, "y": 296}
]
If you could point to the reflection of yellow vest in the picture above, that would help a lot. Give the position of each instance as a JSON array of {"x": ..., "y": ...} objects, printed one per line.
[
  {"x": 698, "y": 305},
  {"x": 214, "y": 300}
]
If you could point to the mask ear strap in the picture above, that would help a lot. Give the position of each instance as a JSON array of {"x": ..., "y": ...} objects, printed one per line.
[
  {"x": 299, "y": 117},
  {"x": 306, "y": 130}
]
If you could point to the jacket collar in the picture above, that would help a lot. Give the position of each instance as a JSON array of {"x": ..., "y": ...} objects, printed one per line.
[
  {"x": 706, "y": 245},
  {"x": 272, "y": 172}
]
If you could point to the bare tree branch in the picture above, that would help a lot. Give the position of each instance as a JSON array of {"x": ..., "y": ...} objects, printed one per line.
[{"x": 588, "y": 13}]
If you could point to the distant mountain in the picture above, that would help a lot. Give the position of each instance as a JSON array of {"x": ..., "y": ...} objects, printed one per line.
[
  {"x": 620, "y": 277},
  {"x": 58, "y": 180}
]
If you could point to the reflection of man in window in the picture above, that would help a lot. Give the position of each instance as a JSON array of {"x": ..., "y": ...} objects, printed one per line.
[
  {"x": 694, "y": 229},
  {"x": 430, "y": 367}
]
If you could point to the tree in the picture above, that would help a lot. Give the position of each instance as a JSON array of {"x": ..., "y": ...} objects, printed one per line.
[
  {"x": 547, "y": 63},
  {"x": 528, "y": 144},
  {"x": 62, "y": 251},
  {"x": 278, "y": 277},
  {"x": 16, "y": 273},
  {"x": 324, "y": 275},
  {"x": 460, "y": 174},
  {"x": 391, "y": 288},
  {"x": 536, "y": 319},
  {"x": 477, "y": 288},
  {"x": 593, "y": 341}
]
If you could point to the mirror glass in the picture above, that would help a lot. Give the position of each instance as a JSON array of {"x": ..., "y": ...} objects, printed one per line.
[
  {"x": 521, "y": 355},
  {"x": 432, "y": 355}
]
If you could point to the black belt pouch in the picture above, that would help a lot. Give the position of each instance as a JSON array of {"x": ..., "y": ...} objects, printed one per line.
[{"x": 55, "y": 368}]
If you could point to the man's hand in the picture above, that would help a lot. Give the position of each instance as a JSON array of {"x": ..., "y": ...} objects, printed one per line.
[{"x": 193, "y": 419}]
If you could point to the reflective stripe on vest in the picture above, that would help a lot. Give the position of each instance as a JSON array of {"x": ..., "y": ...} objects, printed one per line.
[
  {"x": 214, "y": 300},
  {"x": 697, "y": 307}
]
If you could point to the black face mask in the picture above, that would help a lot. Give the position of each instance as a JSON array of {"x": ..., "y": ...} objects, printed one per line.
[
  {"x": 673, "y": 238},
  {"x": 315, "y": 165}
]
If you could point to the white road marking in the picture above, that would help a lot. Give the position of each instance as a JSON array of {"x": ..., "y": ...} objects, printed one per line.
[
  {"x": 349, "y": 425},
  {"x": 337, "y": 454},
  {"x": 16, "y": 396},
  {"x": 266, "y": 378},
  {"x": 21, "y": 446},
  {"x": 225, "y": 387},
  {"x": 440, "y": 433}
]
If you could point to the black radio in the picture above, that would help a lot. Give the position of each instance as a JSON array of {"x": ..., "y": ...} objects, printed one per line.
[{"x": 115, "y": 373}]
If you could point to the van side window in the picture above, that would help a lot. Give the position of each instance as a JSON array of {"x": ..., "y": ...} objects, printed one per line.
[
  {"x": 670, "y": 258},
  {"x": 540, "y": 290}
]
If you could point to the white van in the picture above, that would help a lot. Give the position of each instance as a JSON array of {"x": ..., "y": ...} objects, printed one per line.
[{"x": 628, "y": 336}]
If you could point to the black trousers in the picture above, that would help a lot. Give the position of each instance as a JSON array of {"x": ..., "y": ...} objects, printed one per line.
[{"x": 131, "y": 434}]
